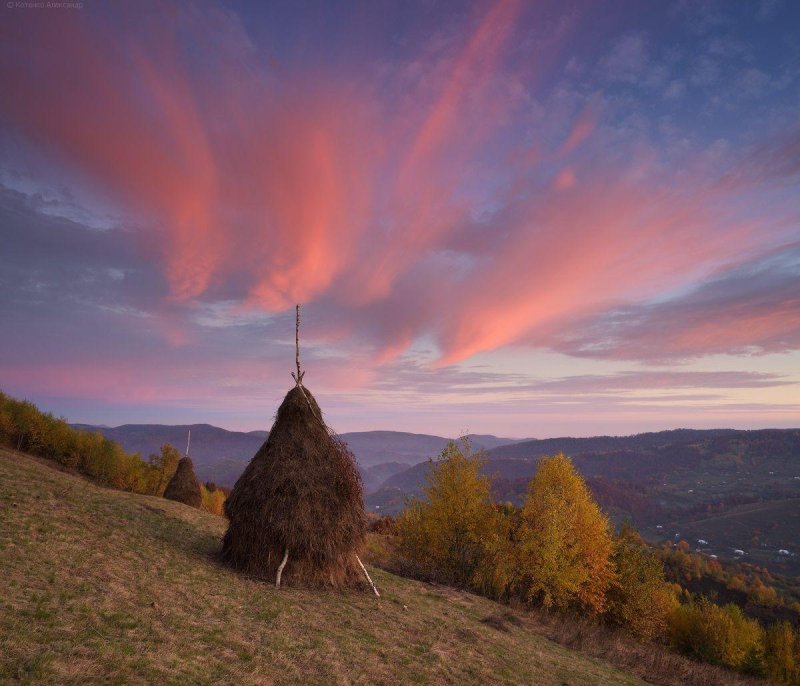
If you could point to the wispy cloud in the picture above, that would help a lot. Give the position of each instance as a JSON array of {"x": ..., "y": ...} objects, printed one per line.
[
  {"x": 752, "y": 308},
  {"x": 504, "y": 174}
]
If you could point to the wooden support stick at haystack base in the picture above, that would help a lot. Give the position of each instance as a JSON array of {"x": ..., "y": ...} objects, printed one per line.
[
  {"x": 280, "y": 569},
  {"x": 366, "y": 574}
]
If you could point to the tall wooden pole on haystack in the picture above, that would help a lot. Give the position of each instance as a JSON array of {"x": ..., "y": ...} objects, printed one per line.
[
  {"x": 297, "y": 338},
  {"x": 188, "y": 440},
  {"x": 298, "y": 379}
]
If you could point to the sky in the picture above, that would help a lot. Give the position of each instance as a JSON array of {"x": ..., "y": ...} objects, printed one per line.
[{"x": 519, "y": 218}]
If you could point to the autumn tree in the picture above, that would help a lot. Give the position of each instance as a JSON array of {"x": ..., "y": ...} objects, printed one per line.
[
  {"x": 24, "y": 427},
  {"x": 6, "y": 428},
  {"x": 212, "y": 499},
  {"x": 639, "y": 597},
  {"x": 762, "y": 594},
  {"x": 782, "y": 654},
  {"x": 162, "y": 467},
  {"x": 565, "y": 544},
  {"x": 454, "y": 533},
  {"x": 30, "y": 426},
  {"x": 720, "y": 635}
]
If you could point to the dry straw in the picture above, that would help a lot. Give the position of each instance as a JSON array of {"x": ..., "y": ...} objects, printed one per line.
[
  {"x": 184, "y": 486},
  {"x": 297, "y": 512}
]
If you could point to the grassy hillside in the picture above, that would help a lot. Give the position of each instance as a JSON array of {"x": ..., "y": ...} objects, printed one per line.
[{"x": 112, "y": 587}]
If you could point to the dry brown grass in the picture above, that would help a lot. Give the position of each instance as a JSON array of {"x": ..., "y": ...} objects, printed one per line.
[
  {"x": 101, "y": 586},
  {"x": 655, "y": 663}
]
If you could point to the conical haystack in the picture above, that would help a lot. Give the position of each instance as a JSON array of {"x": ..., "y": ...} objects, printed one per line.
[
  {"x": 184, "y": 486},
  {"x": 298, "y": 502}
]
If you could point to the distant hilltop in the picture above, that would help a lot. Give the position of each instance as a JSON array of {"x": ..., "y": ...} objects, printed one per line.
[{"x": 220, "y": 455}]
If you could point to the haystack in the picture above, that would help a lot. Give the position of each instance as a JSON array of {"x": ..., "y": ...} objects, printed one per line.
[
  {"x": 297, "y": 511},
  {"x": 184, "y": 486}
]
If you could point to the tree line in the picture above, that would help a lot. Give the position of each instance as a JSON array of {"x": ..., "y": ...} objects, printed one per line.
[
  {"x": 559, "y": 551},
  {"x": 25, "y": 428}
]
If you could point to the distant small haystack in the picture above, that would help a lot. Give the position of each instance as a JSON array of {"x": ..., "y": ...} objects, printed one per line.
[
  {"x": 297, "y": 511},
  {"x": 184, "y": 486}
]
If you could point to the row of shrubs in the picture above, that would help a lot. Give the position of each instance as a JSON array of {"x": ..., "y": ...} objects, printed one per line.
[
  {"x": 24, "y": 427},
  {"x": 559, "y": 551}
]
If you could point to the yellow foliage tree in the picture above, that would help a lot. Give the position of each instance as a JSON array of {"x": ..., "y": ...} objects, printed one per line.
[
  {"x": 162, "y": 468},
  {"x": 212, "y": 501},
  {"x": 455, "y": 534},
  {"x": 24, "y": 427},
  {"x": 721, "y": 635},
  {"x": 565, "y": 544},
  {"x": 639, "y": 598},
  {"x": 782, "y": 654}
]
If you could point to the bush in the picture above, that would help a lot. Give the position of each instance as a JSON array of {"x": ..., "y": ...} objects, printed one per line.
[
  {"x": 24, "y": 427},
  {"x": 565, "y": 545},
  {"x": 720, "y": 635},
  {"x": 454, "y": 534},
  {"x": 639, "y": 598},
  {"x": 782, "y": 654}
]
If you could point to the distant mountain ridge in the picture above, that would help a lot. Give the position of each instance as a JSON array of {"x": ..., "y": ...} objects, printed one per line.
[
  {"x": 639, "y": 457},
  {"x": 220, "y": 455},
  {"x": 718, "y": 485},
  {"x": 570, "y": 446}
]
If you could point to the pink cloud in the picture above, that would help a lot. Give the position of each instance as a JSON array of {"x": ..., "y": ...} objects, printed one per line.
[
  {"x": 582, "y": 128},
  {"x": 751, "y": 307},
  {"x": 564, "y": 179},
  {"x": 271, "y": 187},
  {"x": 615, "y": 236}
]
